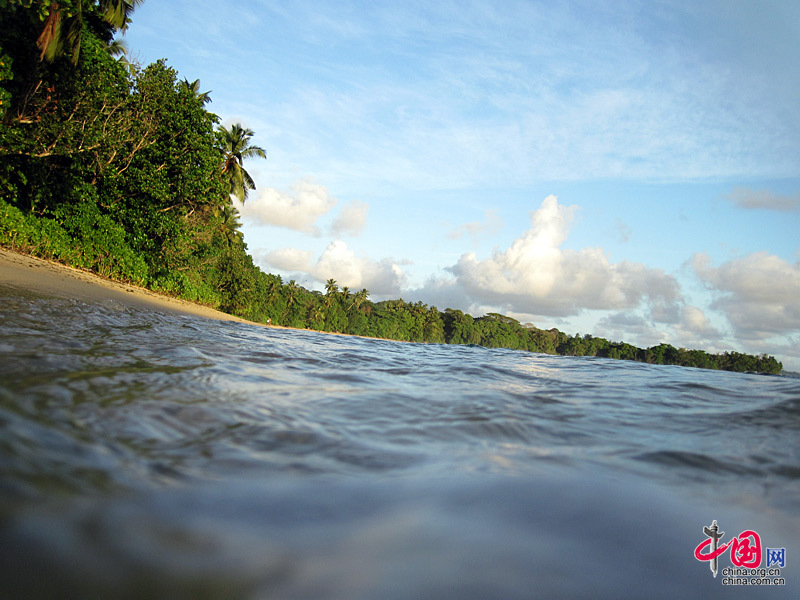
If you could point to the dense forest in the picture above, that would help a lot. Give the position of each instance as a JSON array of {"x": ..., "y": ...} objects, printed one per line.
[{"x": 120, "y": 168}]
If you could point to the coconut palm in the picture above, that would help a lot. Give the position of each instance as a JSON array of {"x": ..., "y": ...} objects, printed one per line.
[
  {"x": 236, "y": 147},
  {"x": 63, "y": 26},
  {"x": 317, "y": 316},
  {"x": 119, "y": 50},
  {"x": 61, "y": 34},
  {"x": 194, "y": 89},
  {"x": 331, "y": 287},
  {"x": 359, "y": 298},
  {"x": 291, "y": 292},
  {"x": 230, "y": 225},
  {"x": 273, "y": 288},
  {"x": 118, "y": 12}
]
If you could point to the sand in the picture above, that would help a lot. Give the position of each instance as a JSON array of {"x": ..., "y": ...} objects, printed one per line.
[
  {"x": 54, "y": 279},
  {"x": 50, "y": 278}
]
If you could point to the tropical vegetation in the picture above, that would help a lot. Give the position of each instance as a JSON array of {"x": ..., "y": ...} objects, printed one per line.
[
  {"x": 235, "y": 144},
  {"x": 121, "y": 169}
]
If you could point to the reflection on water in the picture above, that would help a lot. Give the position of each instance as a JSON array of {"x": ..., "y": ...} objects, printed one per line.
[{"x": 150, "y": 455}]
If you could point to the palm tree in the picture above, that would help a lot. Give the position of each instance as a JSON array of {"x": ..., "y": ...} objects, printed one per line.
[
  {"x": 118, "y": 12},
  {"x": 119, "y": 49},
  {"x": 236, "y": 147},
  {"x": 194, "y": 89},
  {"x": 273, "y": 288},
  {"x": 317, "y": 316},
  {"x": 63, "y": 26},
  {"x": 359, "y": 298},
  {"x": 331, "y": 287},
  {"x": 61, "y": 33},
  {"x": 230, "y": 225},
  {"x": 291, "y": 293}
]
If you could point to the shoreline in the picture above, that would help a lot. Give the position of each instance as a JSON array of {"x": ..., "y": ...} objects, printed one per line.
[{"x": 51, "y": 278}]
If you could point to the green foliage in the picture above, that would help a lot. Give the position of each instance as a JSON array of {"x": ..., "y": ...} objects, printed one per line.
[
  {"x": 111, "y": 170},
  {"x": 235, "y": 143},
  {"x": 61, "y": 25},
  {"x": 6, "y": 74},
  {"x": 100, "y": 242},
  {"x": 32, "y": 235}
]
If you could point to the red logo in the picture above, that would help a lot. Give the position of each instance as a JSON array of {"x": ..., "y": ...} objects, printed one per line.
[{"x": 745, "y": 548}]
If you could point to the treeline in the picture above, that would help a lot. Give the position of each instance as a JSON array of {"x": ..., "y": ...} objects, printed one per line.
[
  {"x": 344, "y": 311},
  {"x": 121, "y": 169}
]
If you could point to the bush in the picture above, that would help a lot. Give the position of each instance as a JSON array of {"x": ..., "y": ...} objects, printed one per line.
[
  {"x": 100, "y": 242},
  {"x": 40, "y": 237}
]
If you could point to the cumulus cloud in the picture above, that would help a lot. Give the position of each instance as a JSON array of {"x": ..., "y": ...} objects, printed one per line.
[
  {"x": 763, "y": 199},
  {"x": 351, "y": 219},
  {"x": 536, "y": 276},
  {"x": 491, "y": 224},
  {"x": 629, "y": 327},
  {"x": 382, "y": 278},
  {"x": 298, "y": 209},
  {"x": 691, "y": 330},
  {"x": 694, "y": 324},
  {"x": 287, "y": 259},
  {"x": 759, "y": 293},
  {"x": 443, "y": 292}
]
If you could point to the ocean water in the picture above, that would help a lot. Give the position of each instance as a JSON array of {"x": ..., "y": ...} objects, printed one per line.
[{"x": 147, "y": 455}]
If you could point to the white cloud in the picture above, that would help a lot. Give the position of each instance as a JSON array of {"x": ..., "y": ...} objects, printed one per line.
[
  {"x": 630, "y": 328},
  {"x": 490, "y": 224},
  {"x": 383, "y": 278},
  {"x": 444, "y": 292},
  {"x": 536, "y": 276},
  {"x": 694, "y": 324},
  {"x": 759, "y": 294},
  {"x": 692, "y": 330},
  {"x": 763, "y": 199},
  {"x": 787, "y": 352},
  {"x": 287, "y": 259},
  {"x": 298, "y": 209},
  {"x": 351, "y": 219}
]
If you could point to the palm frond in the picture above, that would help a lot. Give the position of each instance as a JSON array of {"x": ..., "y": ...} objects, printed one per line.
[
  {"x": 117, "y": 47},
  {"x": 50, "y": 37},
  {"x": 249, "y": 184},
  {"x": 61, "y": 34},
  {"x": 72, "y": 37},
  {"x": 235, "y": 145},
  {"x": 253, "y": 151},
  {"x": 117, "y": 12}
]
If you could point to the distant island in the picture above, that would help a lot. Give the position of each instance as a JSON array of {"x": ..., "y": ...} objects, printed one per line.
[{"x": 120, "y": 169}]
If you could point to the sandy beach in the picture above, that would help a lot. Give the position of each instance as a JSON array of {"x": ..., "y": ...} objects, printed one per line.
[{"x": 54, "y": 279}]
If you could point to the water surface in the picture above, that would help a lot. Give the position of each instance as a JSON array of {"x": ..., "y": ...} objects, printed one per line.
[{"x": 147, "y": 455}]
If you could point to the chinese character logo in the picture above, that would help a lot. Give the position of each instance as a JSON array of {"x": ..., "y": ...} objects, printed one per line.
[
  {"x": 745, "y": 549},
  {"x": 776, "y": 556},
  {"x": 714, "y": 534}
]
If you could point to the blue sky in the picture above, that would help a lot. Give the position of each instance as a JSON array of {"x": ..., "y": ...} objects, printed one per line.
[{"x": 625, "y": 169}]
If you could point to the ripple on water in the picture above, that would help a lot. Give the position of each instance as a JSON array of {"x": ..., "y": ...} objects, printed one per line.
[{"x": 172, "y": 444}]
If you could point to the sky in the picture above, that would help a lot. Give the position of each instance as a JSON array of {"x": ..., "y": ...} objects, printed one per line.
[{"x": 625, "y": 169}]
